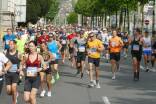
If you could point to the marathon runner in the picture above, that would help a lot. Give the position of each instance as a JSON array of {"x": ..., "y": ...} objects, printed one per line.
[
  {"x": 54, "y": 47},
  {"x": 95, "y": 47},
  {"x": 136, "y": 51},
  {"x": 126, "y": 41},
  {"x": 12, "y": 76},
  {"x": 153, "y": 54},
  {"x": 147, "y": 50},
  {"x": 7, "y": 37},
  {"x": 115, "y": 45},
  {"x": 5, "y": 65},
  {"x": 33, "y": 62},
  {"x": 81, "y": 52},
  {"x": 47, "y": 56}
]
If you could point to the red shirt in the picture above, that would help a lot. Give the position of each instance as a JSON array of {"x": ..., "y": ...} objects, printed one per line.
[
  {"x": 43, "y": 38},
  {"x": 71, "y": 36}
]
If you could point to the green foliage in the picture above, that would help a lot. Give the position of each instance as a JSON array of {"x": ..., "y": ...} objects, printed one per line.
[
  {"x": 72, "y": 18},
  {"x": 96, "y": 7},
  {"x": 53, "y": 10},
  {"x": 41, "y": 8}
]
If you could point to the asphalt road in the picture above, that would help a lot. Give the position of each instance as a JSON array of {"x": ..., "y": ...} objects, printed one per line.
[{"x": 73, "y": 90}]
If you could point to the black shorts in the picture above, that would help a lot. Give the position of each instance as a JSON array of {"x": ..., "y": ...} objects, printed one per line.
[
  {"x": 63, "y": 48},
  {"x": 31, "y": 82},
  {"x": 115, "y": 56},
  {"x": 95, "y": 61},
  {"x": 54, "y": 62},
  {"x": 11, "y": 78},
  {"x": 47, "y": 71},
  {"x": 1, "y": 83},
  {"x": 81, "y": 56},
  {"x": 71, "y": 50},
  {"x": 137, "y": 56},
  {"x": 154, "y": 55},
  {"x": 125, "y": 46},
  {"x": 106, "y": 46}
]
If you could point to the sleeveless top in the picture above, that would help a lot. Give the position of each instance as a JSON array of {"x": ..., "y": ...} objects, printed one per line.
[
  {"x": 136, "y": 48},
  {"x": 52, "y": 46},
  {"x": 14, "y": 60},
  {"x": 148, "y": 43},
  {"x": 36, "y": 63}
]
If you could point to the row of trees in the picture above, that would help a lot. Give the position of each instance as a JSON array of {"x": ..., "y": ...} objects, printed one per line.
[
  {"x": 99, "y": 10},
  {"x": 41, "y": 8}
]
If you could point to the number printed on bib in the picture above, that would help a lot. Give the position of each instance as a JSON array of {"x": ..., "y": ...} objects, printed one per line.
[
  {"x": 13, "y": 68},
  {"x": 125, "y": 40},
  {"x": 93, "y": 50},
  {"x": 136, "y": 47},
  {"x": 7, "y": 41},
  {"x": 31, "y": 71},
  {"x": 63, "y": 41},
  {"x": 81, "y": 48},
  {"x": 113, "y": 44}
]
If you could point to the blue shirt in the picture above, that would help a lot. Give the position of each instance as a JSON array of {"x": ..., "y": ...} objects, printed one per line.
[
  {"x": 7, "y": 38},
  {"x": 53, "y": 48}
]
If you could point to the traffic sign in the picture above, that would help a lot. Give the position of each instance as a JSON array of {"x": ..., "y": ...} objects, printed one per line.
[{"x": 146, "y": 22}]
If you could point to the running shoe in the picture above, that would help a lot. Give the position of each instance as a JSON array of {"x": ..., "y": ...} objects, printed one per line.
[
  {"x": 98, "y": 85},
  {"x": 57, "y": 76},
  {"x": 49, "y": 94},
  {"x": 81, "y": 75},
  {"x": 42, "y": 93},
  {"x": 114, "y": 77},
  {"x": 53, "y": 80},
  {"x": 92, "y": 84}
]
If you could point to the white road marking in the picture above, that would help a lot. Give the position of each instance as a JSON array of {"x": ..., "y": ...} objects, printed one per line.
[{"x": 106, "y": 100}]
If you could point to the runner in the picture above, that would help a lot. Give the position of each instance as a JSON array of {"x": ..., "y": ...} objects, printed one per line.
[
  {"x": 115, "y": 45},
  {"x": 43, "y": 38},
  {"x": 153, "y": 54},
  {"x": 81, "y": 52},
  {"x": 125, "y": 39},
  {"x": 54, "y": 47},
  {"x": 7, "y": 37},
  {"x": 3, "y": 68},
  {"x": 95, "y": 47},
  {"x": 47, "y": 56},
  {"x": 12, "y": 76},
  {"x": 147, "y": 50},
  {"x": 33, "y": 62},
  {"x": 105, "y": 40},
  {"x": 63, "y": 41},
  {"x": 136, "y": 51}
]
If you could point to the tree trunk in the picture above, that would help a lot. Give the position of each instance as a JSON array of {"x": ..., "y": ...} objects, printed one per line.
[
  {"x": 121, "y": 19},
  {"x": 153, "y": 23},
  {"x": 128, "y": 18},
  {"x": 142, "y": 20},
  {"x": 105, "y": 19},
  {"x": 82, "y": 20},
  {"x": 134, "y": 21},
  {"x": 116, "y": 19},
  {"x": 124, "y": 21}
]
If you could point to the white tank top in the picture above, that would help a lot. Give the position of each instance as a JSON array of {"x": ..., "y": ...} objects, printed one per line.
[{"x": 147, "y": 42}]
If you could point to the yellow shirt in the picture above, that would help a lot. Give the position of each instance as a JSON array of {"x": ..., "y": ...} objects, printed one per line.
[
  {"x": 93, "y": 45},
  {"x": 115, "y": 44}
]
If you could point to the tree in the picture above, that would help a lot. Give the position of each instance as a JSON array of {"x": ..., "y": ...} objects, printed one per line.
[
  {"x": 72, "y": 18},
  {"x": 53, "y": 10},
  {"x": 39, "y": 8}
]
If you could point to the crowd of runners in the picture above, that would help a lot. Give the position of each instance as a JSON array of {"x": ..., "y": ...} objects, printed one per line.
[{"x": 34, "y": 54}]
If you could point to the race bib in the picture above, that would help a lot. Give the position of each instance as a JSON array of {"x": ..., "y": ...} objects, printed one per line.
[
  {"x": 113, "y": 44},
  {"x": 81, "y": 48},
  {"x": 31, "y": 71},
  {"x": 63, "y": 41},
  {"x": 125, "y": 40},
  {"x": 7, "y": 41},
  {"x": 93, "y": 50},
  {"x": 47, "y": 64},
  {"x": 136, "y": 47},
  {"x": 13, "y": 68}
]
